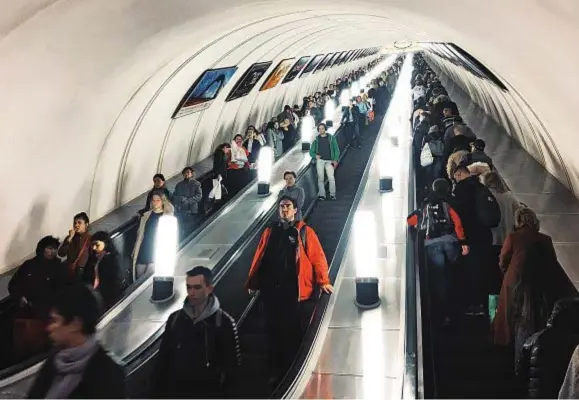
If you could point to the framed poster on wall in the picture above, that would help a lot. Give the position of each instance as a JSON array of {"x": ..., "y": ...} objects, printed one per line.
[
  {"x": 248, "y": 80},
  {"x": 324, "y": 62},
  {"x": 332, "y": 61},
  {"x": 205, "y": 89},
  {"x": 296, "y": 69},
  {"x": 277, "y": 74},
  {"x": 313, "y": 64}
]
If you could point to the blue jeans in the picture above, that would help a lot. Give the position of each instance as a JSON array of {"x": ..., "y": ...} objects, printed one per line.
[{"x": 440, "y": 256}]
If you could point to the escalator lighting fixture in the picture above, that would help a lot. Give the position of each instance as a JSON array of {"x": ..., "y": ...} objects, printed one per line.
[
  {"x": 264, "y": 170},
  {"x": 329, "y": 110},
  {"x": 165, "y": 258},
  {"x": 355, "y": 89},
  {"x": 345, "y": 98},
  {"x": 307, "y": 131}
]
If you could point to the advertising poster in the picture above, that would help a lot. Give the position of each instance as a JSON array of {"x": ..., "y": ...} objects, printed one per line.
[
  {"x": 204, "y": 91},
  {"x": 248, "y": 80},
  {"x": 324, "y": 62},
  {"x": 296, "y": 69},
  {"x": 278, "y": 73},
  {"x": 313, "y": 64},
  {"x": 332, "y": 61}
]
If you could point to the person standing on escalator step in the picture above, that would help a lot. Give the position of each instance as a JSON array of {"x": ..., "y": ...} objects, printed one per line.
[
  {"x": 200, "y": 352},
  {"x": 288, "y": 262},
  {"x": 326, "y": 152}
]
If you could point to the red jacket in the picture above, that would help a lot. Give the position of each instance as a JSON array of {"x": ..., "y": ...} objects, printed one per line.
[{"x": 308, "y": 265}]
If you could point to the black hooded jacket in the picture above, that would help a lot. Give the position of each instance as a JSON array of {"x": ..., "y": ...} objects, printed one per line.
[{"x": 198, "y": 357}]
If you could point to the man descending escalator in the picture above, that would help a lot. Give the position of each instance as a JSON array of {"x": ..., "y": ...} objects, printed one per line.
[
  {"x": 288, "y": 262},
  {"x": 200, "y": 351}
]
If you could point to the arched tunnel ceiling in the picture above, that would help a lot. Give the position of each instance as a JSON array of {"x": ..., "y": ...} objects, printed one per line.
[{"x": 89, "y": 85}]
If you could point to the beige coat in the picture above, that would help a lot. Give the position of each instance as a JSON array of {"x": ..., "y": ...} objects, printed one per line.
[{"x": 167, "y": 210}]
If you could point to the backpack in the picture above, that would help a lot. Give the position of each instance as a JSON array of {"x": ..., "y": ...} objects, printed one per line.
[
  {"x": 487, "y": 207},
  {"x": 436, "y": 148},
  {"x": 436, "y": 221}
]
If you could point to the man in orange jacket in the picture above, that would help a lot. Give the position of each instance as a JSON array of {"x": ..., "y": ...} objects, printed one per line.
[{"x": 284, "y": 270}]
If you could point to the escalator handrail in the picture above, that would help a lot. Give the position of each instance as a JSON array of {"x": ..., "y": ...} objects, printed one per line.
[
  {"x": 12, "y": 373},
  {"x": 147, "y": 350},
  {"x": 289, "y": 384}
]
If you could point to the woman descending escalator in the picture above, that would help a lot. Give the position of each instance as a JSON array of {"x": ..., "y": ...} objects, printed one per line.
[
  {"x": 529, "y": 289},
  {"x": 143, "y": 252},
  {"x": 33, "y": 287},
  {"x": 103, "y": 272}
]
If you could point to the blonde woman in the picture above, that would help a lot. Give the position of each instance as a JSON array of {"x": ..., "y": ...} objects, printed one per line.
[{"x": 144, "y": 252}]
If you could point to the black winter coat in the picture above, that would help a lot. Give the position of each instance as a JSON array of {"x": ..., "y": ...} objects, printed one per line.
[
  {"x": 463, "y": 201},
  {"x": 197, "y": 360},
  {"x": 219, "y": 164},
  {"x": 110, "y": 278},
  {"x": 102, "y": 379},
  {"x": 38, "y": 280},
  {"x": 546, "y": 354}
]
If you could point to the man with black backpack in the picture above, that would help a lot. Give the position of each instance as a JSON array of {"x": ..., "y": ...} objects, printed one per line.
[
  {"x": 479, "y": 212},
  {"x": 288, "y": 263},
  {"x": 200, "y": 350},
  {"x": 444, "y": 242}
]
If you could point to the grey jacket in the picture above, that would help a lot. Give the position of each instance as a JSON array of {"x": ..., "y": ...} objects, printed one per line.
[
  {"x": 187, "y": 196},
  {"x": 298, "y": 194}
]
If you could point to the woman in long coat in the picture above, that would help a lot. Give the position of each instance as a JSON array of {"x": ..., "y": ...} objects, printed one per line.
[{"x": 520, "y": 251}]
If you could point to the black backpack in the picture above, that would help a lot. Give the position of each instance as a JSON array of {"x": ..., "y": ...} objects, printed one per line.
[
  {"x": 436, "y": 221},
  {"x": 487, "y": 207}
]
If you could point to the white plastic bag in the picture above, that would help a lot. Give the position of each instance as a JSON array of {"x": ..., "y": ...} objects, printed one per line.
[
  {"x": 215, "y": 192},
  {"x": 426, "y": 157}
]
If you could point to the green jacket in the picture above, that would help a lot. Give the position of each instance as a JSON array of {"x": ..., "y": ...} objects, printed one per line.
[{"x": 334, "y": 149}]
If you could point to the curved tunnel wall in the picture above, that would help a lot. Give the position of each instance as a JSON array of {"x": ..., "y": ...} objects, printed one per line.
[
  {"x": 510, "y": 110},
  {"x": 111, "y": 143},
  {"x": 83, "y": 84}
]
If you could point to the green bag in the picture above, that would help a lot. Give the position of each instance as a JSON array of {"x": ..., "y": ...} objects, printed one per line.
[{"x": 493, "y": 305}]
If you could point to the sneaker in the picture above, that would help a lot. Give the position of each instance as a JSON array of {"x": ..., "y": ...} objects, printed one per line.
[
  {"x": 333, "y": 198},
  {"x": 321, "y": 198}
]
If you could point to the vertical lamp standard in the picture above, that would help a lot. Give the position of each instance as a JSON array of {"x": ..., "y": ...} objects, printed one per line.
[
  {"x": 329, "y": 111},
  {"x": 264, "y": 170},
  {"x": 355, "y": 89},
  {"x": 166, "y": 243},
  {"x": 308, "y": 126},
  {"x": 386, "y": 158},
  {"x": 365, "y": 250}
]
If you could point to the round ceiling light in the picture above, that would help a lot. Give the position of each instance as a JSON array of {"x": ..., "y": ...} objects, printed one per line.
[{"x": 403, "y": 44}]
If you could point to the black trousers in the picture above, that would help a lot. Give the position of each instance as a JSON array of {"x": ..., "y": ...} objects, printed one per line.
[{"x": 286, "y": 323}]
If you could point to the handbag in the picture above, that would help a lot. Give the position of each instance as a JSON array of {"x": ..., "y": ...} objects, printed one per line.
[
  {"x": 371, "y": 116},
  {"x": 30, "y": 335},
  {"x": 426, "y": 157}
]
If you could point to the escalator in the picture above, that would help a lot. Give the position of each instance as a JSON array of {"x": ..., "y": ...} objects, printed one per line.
[{"x": 327, "y": 218}]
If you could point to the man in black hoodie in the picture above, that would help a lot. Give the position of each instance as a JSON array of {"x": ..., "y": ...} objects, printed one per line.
[
  {"x": 200, "y": 350},
  {"x": 479, "y": 237}
]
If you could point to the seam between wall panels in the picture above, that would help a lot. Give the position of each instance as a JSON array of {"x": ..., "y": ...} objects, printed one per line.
[{"x": 164, "y": 145}]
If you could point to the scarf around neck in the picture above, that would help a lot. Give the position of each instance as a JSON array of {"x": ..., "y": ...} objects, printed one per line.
[{"x": 69, "y": 365}]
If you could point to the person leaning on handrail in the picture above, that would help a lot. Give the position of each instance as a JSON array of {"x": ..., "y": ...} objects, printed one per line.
[{"x": 288, "y": 262}]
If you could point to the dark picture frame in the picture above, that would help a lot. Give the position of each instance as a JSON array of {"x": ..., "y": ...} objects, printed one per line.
[
  {"x": 323, "y": 63},
  {"x": 277, "y": 74},
  {"x": 312, "y": 65},
  {"x": 248, "y": 80},
  {"x": 296, "y": 69},
  {"x": 205, "y": 89}
]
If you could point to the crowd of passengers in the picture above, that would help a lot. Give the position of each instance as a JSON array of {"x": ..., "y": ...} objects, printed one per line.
[
  {"x": 480, "y": 241},
  {"x": 62, "y": 292}
]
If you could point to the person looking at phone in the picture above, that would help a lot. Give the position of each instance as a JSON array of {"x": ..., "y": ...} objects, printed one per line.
[{"x": 75, "y": 248}]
